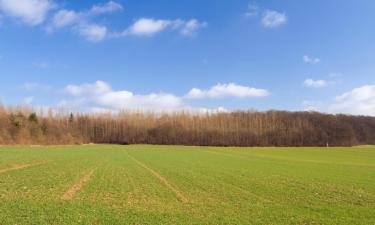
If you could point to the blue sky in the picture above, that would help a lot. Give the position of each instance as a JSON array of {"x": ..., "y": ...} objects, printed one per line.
[{"x": 95, "y": 55}]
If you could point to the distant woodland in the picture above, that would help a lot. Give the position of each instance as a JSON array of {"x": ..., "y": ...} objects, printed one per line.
[{"x": 272, "y": 128}]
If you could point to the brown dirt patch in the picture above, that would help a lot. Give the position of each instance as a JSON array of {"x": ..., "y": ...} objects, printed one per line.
[
  {"x": 69, "y": 195},
  {"x": 166, "y": 183},
  {"x": 18, "y": 167}
]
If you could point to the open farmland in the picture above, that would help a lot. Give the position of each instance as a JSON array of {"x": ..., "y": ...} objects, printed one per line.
[{"x": 145, "y": 184}]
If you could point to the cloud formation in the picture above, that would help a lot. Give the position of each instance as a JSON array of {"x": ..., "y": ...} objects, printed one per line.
[
  {"x": 269, "y": 18},
  {"x": 82, "y": 23},
  {"x": 150, "y": 26},
  {"x": 227, "y": 90},
  {"x": 310, "y": 59},
  {"x": 315, "y": 83},
  {"x": 252, "y": 10},
  {"x": 101, "y": 95},
  {"x": 93, "y": 32},
  {"x": 66, "y": 17},
  {"x": 359, "y": 101},
  {"x": 108, "y": 7},
  {"x": 272, "y": 18},
  {"x": 31, "y": 12}
]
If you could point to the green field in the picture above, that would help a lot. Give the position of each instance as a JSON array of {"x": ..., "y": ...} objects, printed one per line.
[{"x": 144, "y": 184}]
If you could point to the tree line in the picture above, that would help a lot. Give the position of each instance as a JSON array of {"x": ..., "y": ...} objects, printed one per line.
[{"x": 242, "y": 128}]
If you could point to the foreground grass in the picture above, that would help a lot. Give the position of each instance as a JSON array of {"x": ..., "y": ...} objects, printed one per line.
[{"x": 142, "y": 184}]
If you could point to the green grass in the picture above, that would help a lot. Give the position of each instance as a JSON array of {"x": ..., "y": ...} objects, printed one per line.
[{"x": 222, "y": 185}]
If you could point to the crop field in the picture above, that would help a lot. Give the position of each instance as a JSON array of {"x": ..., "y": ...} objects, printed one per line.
[{"x": 145, "y": 184}]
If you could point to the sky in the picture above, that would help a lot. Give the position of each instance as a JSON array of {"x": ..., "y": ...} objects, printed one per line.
[{"x": 221, "y": 55}]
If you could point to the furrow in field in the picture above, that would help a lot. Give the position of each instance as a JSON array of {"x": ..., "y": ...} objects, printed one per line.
[
  {"x": 69, "y": 195},
  {"x": 19, "y": 167},
  {"x": 178, "y": 193}
]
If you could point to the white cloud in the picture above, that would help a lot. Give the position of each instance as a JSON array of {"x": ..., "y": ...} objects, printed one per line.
[
  {"x": 97, "y": 88},
  {"x": 126, "y": 99},
  {"x": 273, "y": 18},
  {"x": 93, "y": 32},
  {"x": 81, "y": 21},
  {"x": 146, "y": 26},
  {"x": 189, "y": 27},
  {"x": 32, "y": 12},
  {"x": 359, "y": 101},
  {"x": 150, "y": 26},
  {"x": 252, "y": 10},
  {"x": 310, "y": 60},
  {"x": 101, "y": 95},
  {"x": 227, "y": 90},
  {"x": 108, "y": 7},
  {"x": 315, "y": 83},
  {"x": 65, "y": 18}
]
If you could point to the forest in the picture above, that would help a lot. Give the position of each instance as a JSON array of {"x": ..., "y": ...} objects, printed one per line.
[{"x": 20, "y": 126}]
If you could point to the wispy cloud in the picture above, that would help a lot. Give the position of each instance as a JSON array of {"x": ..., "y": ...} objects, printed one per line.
[
  {"x": 108, "y": 7},
  {"x": 227, "y": 90},
  {"x": 97, "y": 88},
  {"x": 66, "y": 17},
  {"x": 150, "y": 26},
  {"x": 315, "y": 83},
  {"x": 272, "y": 18},
  {"x": 252, "y": 10},
  {"x": 82, "y": 21},
  {"x": 310, "y": 59},
  {"x": 31, "y": 12},
  {"x": 93, "y": 32},
  {"x": 269, "y": 18}
]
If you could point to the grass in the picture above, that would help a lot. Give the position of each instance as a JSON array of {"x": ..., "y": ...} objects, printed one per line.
[{"x": 143, "y": 184}]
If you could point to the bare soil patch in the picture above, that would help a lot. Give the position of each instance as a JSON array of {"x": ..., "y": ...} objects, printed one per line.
[
  {"x": 18, "y": 167},
  {"x": 178, "y": 193},
  {"x": 70, "y": 194}
]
